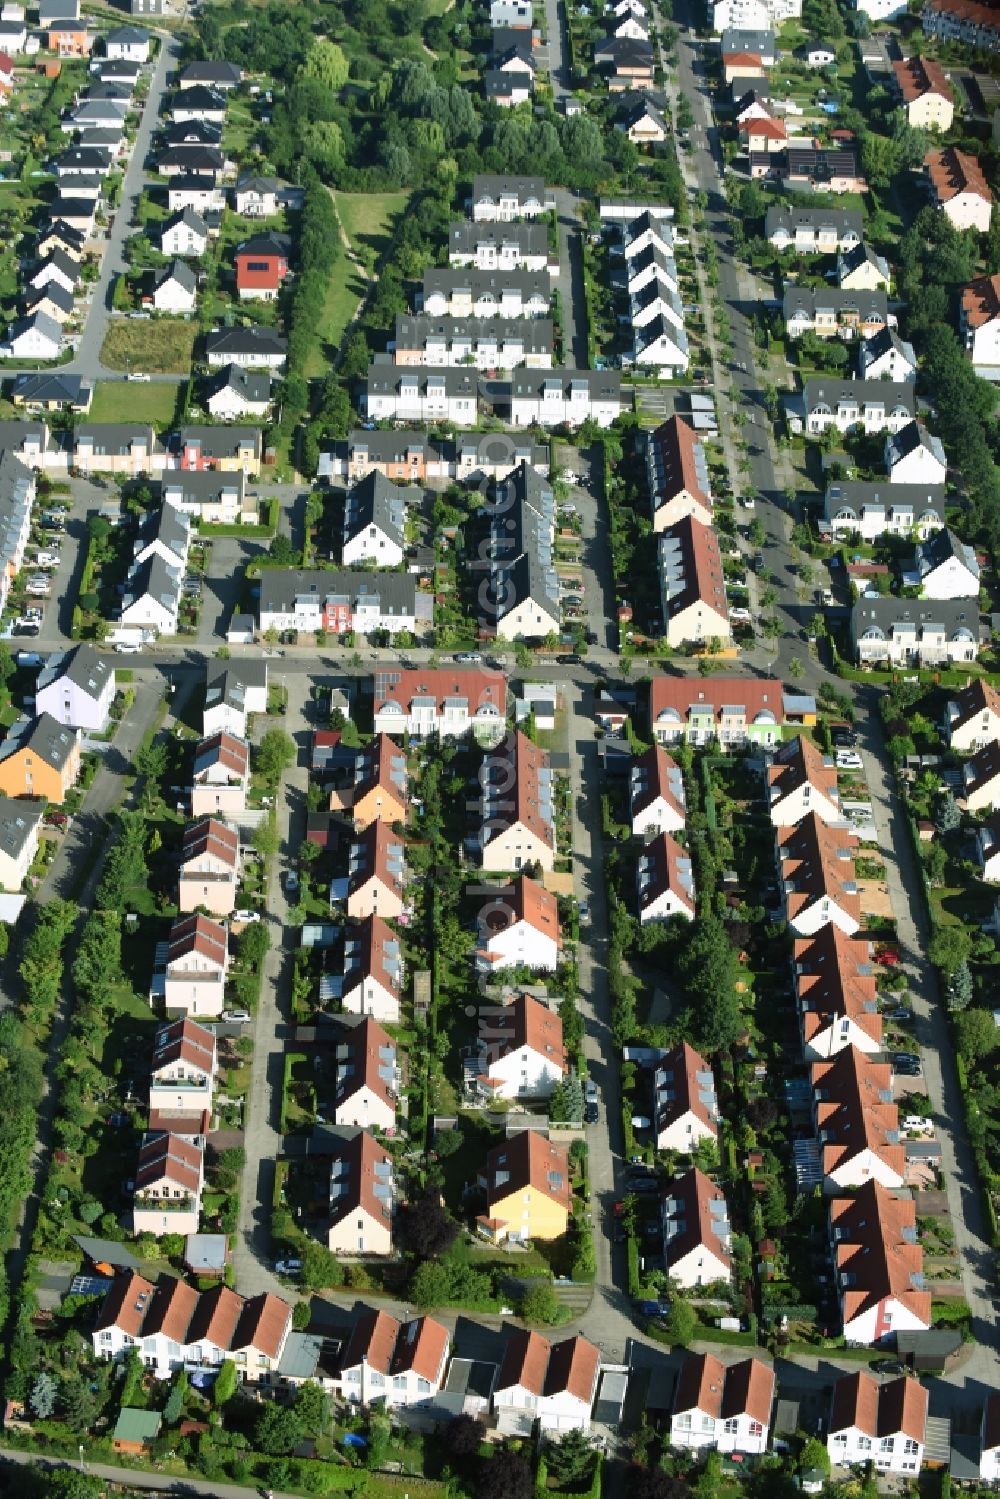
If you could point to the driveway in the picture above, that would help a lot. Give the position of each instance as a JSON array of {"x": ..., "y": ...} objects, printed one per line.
[{"x": 57, "y": 619}]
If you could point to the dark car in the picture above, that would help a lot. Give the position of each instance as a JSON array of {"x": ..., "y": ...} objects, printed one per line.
[
  {"x": 888, "y": 1366},
  {"x": 568, "y": 660},
  {"x": 621, "y": 1234},
  {"x": 905, "y": 1058},
  {"x": 590, "y": 1114},
  {"x": 654, "y": 1308},
  {"x": 844, "y": 738},
  {"x": 26, "y": 630},
  {"x": 643, "y": 1185}
]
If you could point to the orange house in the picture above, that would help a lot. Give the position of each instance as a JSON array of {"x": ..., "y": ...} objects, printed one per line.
[
  {"x": 70, "y": 38},
  {"x": 40, "y": 758}
]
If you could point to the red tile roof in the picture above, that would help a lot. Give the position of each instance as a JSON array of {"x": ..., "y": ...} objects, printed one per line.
[
  {"x": 126, "y": 1304},
  {"x": 421, "y": 1348},
  {"x": 381, "y": 767},
  {"x": 210, "y": 836},
  {"x": 700, "y": 1385},
  {"x": 361, "y": 1155},
  {"x": 520, "y": 796},
  {"x": 478, "y": 689},
  {"x": 665, "y": 866},
  {"x": 875, "y": 1243},
  {"x": 749, "y": 1391},
  {"x": 835, "y": 980},
  {"x": 696, "y": 1193},
  {"x": 527, "y": 1022},
  {"x": 524, "y": 900},
  {"x": 674, "y": 445},
  {"x": 854, "y": 1110},
  {"x": 700, "y": 568},
  {"x": 222, "y": 749},
  {"x": 818, "y": 861},
  {"x": 682, "y": 1065},
  {"x": 376, "y": 845},
  {"x": 198, "y": 934},
  {"x": 172, "y": 1308},
  {"x": 898, "y": 1406},
  {"x": 573, "y": 1368},
  {"x": 757, "y": 699},
  {"x": 184, "y": 1041},
  {"x": 658, "y": 776},
  {"x": 526, "y": 1160},
  {"x": 979, "y": 697},
  {"x": 525, "y": 1358},
  {"x": 216, "y": 1317},
  {"x": 376, "y": 941},
  {"x": 263, "y": 1325},
  {"x": 373, "y": 1341},
  {"x": 361, "y": 1056},
  {"x": 164, "y": 1157},
  {"x": 917, "y": 76},
  {"x": 764, "y": 125},
  {"x": 799, "y": 763},
  {"x": 953, "y": 172}
]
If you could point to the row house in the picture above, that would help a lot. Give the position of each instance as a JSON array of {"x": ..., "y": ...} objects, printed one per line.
[
  {"x": 958, "y": 187},
  {"x": 972, "y": 718},
  {"x": 500, "y": 199},
  {"x": 514, "y": 247},
  {"x": 377, "y": 874},
  {"x": 127, "y": 448},
  {"x": 879, "y": 1266},
  {"x": 722, "y": 1408},
  {"x": 169, "y": 1178},
  {"x": 914, "y": 456},
  {"x": 677, "y": 475},
  {"x": 685, "y": 1104},
  {"x": 692, "y": 586},
  {"x": 226, "y": 449},
  {"x": 362, "y": 1195},
  {"x": 979, "y": 324},
  {"x": 813, "y": 231},
  {"x": 882, "y": 1424},
  {"x": 18, "y": 488},
  {"x": 836, "y": 994},
  {"x": 215, "y": 496},
  {"x": 220, "y": 776},
  {"x": 970, "y": 21},
  {"x": 234, "y": 692},
  {"x": 337, "y": 601},
  {"x": 165, "y": 533},
  {"x": 380, "y": 787},
  {"x": 451, "y": 702},
  {"x": 367, "y": 1078},
  {"x": 851, "y": 406},
  {"x": 174, "y": 1327},
  {"x": 522, "y": 599},
  {"x": 197, "y": 966},
  {"x": 485, "y": 343},
  {"x": 517, "y": 807},
  {"x": 910, "y": 632},
  {"x": 800, "y": 780},
  {"x": 553, "y": 1385},
  {"x": 817, "y": 877},
  {"x": 486, "y": 294},
  {"x": 372, "y": 982},
  {"x": 664, "y": 881},
  {"x": 830, "y": 312},
  {"x": 810, "y": 169},
  {"x": 925, "y": 93},
  {"x": 728, "y": 711},
  {"x": 753, "y": 15},
  {"x": 182, "y": 1073},
  {"x": 696, "y": 1232},
  {"x": 565, "y": 397},
  {"x": 861, "y": 269},
  {"x": 150, "y": 604},
  {"x": 392, "y": 1363},
  {"x": 209, "y": 867},
  {"x": 519, "y": 928},
  {"x": 653, "y": 265},
  {"x": 661, "y": 341},
  {"x": 403, "y": 457},
  {"x": 528, "y": 1193},
  {"x": 857, "y": 1122},
  {"x": 981, "y": 779},
  {"x": 657, "y": 800},
  {"x": 522, "y": 1053},
  {"x": 397, "y": 394}
]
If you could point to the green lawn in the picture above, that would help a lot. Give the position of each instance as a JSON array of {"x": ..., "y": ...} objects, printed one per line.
[
  {"x": 368, "y": 218},
  {"x": 163, "y": 346},
  {"x": 123, "y": 401},
  {"x": 345, "y": 290}
]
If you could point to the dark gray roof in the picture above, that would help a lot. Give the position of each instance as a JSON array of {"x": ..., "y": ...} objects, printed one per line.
[
  {"x": 169, "y": 525},
  {"x": 841, "y": 219},
  {"x": 82, "y": 666},
  {"x": 196, "y": 488},
  {"x": 940, "y": 548},
  {"x": 733, "y": 40},
  {"x": 252, "y": 385},
  {"x": 522, "y": 527},
  {"x": 868, "y": 306},
  {"x": 376, "y": 501},
  {"x": 53, "y": 291},
  {"x": 884, "y": 341},
  {"x": 413, "y": 331},
  {"x": 253, "y": 340},
  {"x": 891, "y": 394},
  {"x": 219, "y": 442},
  {"x": 41, "y": 321},
  {"x": 127, "y": 36},
  {"x": 192, "y": 132},
  {"x": 189, "y": 219},
  {"x": 155, "y": 579},
  {"x": 492, "y": 185},
  {"x": 86, "y": 158},
  {"x": 858, "y": 493},
  {"x": 62, "y": 263},
  {"x": 192, "y": 159},
  {"x": 448, "y": 280},
  {"x": 70, "y": 390},
  {"x": 268, "y": 243},
  {"x": 497, "y": 83},
  {"x": 66, "y": 232},
  {"x": 604, "y": 385},
  {"x": 177, "y": 271},
  {"x": 911, "y": 437},
  {"x": 626, "y": 50},
  {"x": 115, "y": 437},
  {"x": 531, "y": 239},
  {"x": 19, "y": 818},
  {"x": 199, "y": 98},
  {"x": 107, "y": 1252},
  {"x": 280, "y": 587},
  {"x": 43, "y": 736},
  {"x": 228, "y": 682},
  {"x": 251, "y": 182},
  {"x": 388, "y": 377},
  {"x": 887, "y": 613},
  {"x": 222, "y": 74}
]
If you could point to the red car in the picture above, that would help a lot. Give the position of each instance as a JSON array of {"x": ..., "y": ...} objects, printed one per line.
[{"x": 888, "y": 956}]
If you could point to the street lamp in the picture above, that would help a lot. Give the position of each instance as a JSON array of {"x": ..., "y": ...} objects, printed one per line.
[{"x": 83, "y": 1466}]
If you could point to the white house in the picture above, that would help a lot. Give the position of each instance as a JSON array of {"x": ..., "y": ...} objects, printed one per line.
[
  {"x": 391, "y": 1363},
  {"x": 77, "y": 687},
  {"x": 186, "y": 233},
  {"x": 368, "y": 1080},
  {"x": 502, "y": 199},
  {"x": 981, "y": 779},
  {"x": 517, "y": 810},
  {"x": 238, "y": 393},
  {"x": 375, "y": 522},
  {"x": 857, "y": 1122},
  {"x": 519, "y": 928},
  {"x": 152, "y": 597},
  {"x": 196, "y": 968},
  {"x": 886, "y": 356},
  {"x": 817, "y": 875},
  {"x": 959, "y": 189},
  {"x": 449, "y": 701},
  {"x": 665, "y": 881},
  {"x": 212, "y": 495},
  {"x": 373, "y": 970},
  {"x": 175, "y": 288},
  {"x": 234, "y": 691},
  {"x": 800, "y": 780},
  {"x": 36, "y": 337},
  {"x": 989, "y": 1443},
  {"x": 879, "y": 1266},
  {"x": 127, "y": 44},
  {"x": 553, "y": 398},
  {"x": 979, "y": 321},
  {"x": 692, "y": 584},
  {"x": 874, "y": 509},
  {"x": 520, "y": 1381},
  {"x": 882, "y": 10},
  {"x": 570, "y": 1387},
  {"x": 972, "y": 718},
  {"x": 398, "y": 394},
  {"x": 945, "y": 568},
  {"x": 169, "y": 1176},
  {"x": 522, "y": 1055},
  {"x": 882, "y": 1424},
  {"x": 657, "y": 802},
  {"x": 20, "y": 820},
  {"x": 696, "y": 1233},
  {"x": 165, "y": 533},
  {"x": 852, "y": 405},
  {"x": 662, "y": 344},
  {"x": 915, "y": 631},
  {"x": 722, "y": 1407},
  {"x": 685, "y": 1106}
]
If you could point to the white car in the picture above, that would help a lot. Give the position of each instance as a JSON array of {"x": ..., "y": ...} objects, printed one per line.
[
  {"x": 742, "y": 616},
  {"x": 236, "y": 1016},
  {"x": 141, "y": 379},
  {"x": 128, "y": 648},
  {"x": 38, "y": 588},
  {"x": 246, "y": 915},
  {"x": 47, "y": 559},
  {"x": 849, "y": 760},
  {"x": 748, "y": 502}
]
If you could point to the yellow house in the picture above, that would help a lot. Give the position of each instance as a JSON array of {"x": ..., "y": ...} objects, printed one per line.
[
  {"x": 380, "y": 784},
  {"x": 39, "y": 757},
  {"x": 527, "y": 1190}
]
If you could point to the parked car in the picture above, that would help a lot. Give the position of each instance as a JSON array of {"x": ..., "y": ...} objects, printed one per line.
[
  {"x": 287, "y": 1267},
  {"x": 888, "y": 1366},
  {"x": 468, "y": 658},
  {"x": 583, "y": 910},
  {"x": 291, "y": 881},
  {"x": 849, "y": 760},
  {"x": 590, "y": 1092},
  {"x": 128, "y": 648},
  {"x": 590, "y": 1113},
  {"x": 246, "y": 915},
  {"x": 236, "y": 1017},
  {"x": 898, "y": 1012}
]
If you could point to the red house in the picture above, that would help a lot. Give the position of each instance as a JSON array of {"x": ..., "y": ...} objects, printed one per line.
[
  {"x": 6, "y": 73},
  {"x": 261, "y": 266}
]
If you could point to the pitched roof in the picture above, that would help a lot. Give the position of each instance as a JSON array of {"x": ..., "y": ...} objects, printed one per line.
[
  {"x": 361, "y": 1179},
  {"x": 19, "y": 818},
  {"x": 759, "y": 699},
  {"x": 983, "y": 769},
  {"x": 525, "y": 900},
  {"x": 953, "y": 172},
  {"x": 835, "y": 980},
  {"x": 877, "y": 1254},
  {"x": 941, "y": 547},
  {"x": 377, "y": 853},
  {"x": 263, "y": 1324},
  {"x": 699, "y": 1220},
  {"x": 171, "y": 1310},
  {"x": 854, "y": 1110},
  {"x": 770, "y": 129},
  {"x": 183, "y": 1041},
  {"x": 366, "y": 1058},
  {"x": 817, "y": 862},
  {"x": 525, "y": 1358},
  {"x": 749, "y": 1391},
  {"x": 799, "y": 763},
  {"x": 528, "y": 1160},
  {"x": 222, "y": 749},
  {"x": 898, "y": 1406},
  {"x": 991, "y": 1421},
  {"x": 690, "y": 568},
  {"x": 527, "y": 1022},
  {"x": 665, "y": 865},
  {"x": 210, "y": 836},
  {"x": 165, "y": 1157},
  {"x": 42, "y": 736},
  {"x": 373, "y": 950},
  {"x": 677, "y": 456},
  {"x": 126, "y": 1304},
  {"x": 917, "y": 76},
  {"x": 216, "y": 1317},
  {"x": 682, "y": 1083},
  {"x": 524, "y": 775},
  {"x": 974, "y": 700},
  {"x": 420, "y": 1348},
  {"x": 381, "y": 766},
  {"x": 656, "y": 776},
  {"x": 197, "y": 933},
  {"x": 372, "y": 1341},
  {"x": 573, "y": 1368},
  {"x": 855, "y": 1403},
  {"x": 700, "y": 1385}
]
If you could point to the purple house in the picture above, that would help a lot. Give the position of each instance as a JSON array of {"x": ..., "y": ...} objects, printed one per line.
[{"x": 77, "y": 687}]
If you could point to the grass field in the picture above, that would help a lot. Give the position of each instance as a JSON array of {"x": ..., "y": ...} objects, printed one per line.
[
  {"x": 368, "y": 219},
  {"x": 121, "y": 401},
  {"x": 163, "y": 346},
  {"x": 343, "y": 293}
]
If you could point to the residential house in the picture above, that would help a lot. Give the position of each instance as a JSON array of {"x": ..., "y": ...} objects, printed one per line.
[
  {"x": 165, "y": 533},
  {"x": 692, "y": 588},
  {"x": 237, "y": 392},
  {"x": 677, "y": 475},
  {"x": 76, "y": 688},
  {"x": 53, "y": 392},
  {"x": 487, "y": 343},
  {"x": 182, "y": 1072},
  {"x": 830, "y": 312},
  {"x": 922, "y": 85},
  {"x": 751, "y": 101},
  {"x": 685, "y": 1106},
  {"x": 483, "y": 294},
  {"x": 881, "y": 10},
  {"x": 404, "y": 457},
  {"x": 519, "y": 928},
  {"x": 169, "y": 1177},
  {"x": 226, "y": 448},
  {"x": 368, "y": 1078},
  {"x": 879, "y": 1266},
  {"x": 661, "y": 340},
  {"x": 567, "y": 397},
  {"x": 959, "y": 189},
  {"x": 836, "y": 994},
  {"x": 883, "y": 1424},
  {"x": 811, "y": 169},
  {"x": 380, "y": 785},
  {"x": 20, "y": 821},
  {"x": 338, "y": 601},
  {"x": 215, "y": 496},
  {"x": 128, "y": 44},
  {"x": 520, "y": 1381},
  {"x": 224, "y": 76},
  {"x": 377, "y": 873},
  {"x": 174, "y": 288},
  {"x": 696, "y": 1232},
  {"x": 221, "y": 776},
  {"x": 816, "y": 864},
  {"x": 152, "y": 598},
  {"x": 760, "y": 133},
  {"x": 664, "y": 880},
  {"x": 725, "y": 1408},
  {"x": 885, "y": 356},
  {"x": 753, "y": 15},
  {"x": 642, "y": 121},
  {"x": 197, "y": 967},
  {"x": 522, "y": 599},
  {"x": 209, "y": 868},
  {"x": 373, "y": 970},
  {"x": 504, "y": 199},
  {"x": 852, "y": 405},
  {"x": 375, "y": 522},
  {"x": 234, "y": 690},
  {"x": 50, "y": 299},
  {"x": 70, "y": 38},
  {"x": 968, "y": 21},
  {"x": 507, "y": 89},
  {"x": 127, "y": 448},
  {"x": 972, "y": 718},
  {"x": 362, "y": 1195},
  {"x": 257, "y": 197},
  {"x": 907, "y": 632},
  {"x": 398, "y": 394},
  {"x": 18, "y": 490},
  {"x": 39, "y": 757},
  {"x": 38, "y": 336},
  {"x": 522, "y": 1053},
  {"x": 861, "y": 269},
  {"x": 946, "y": 567},
  {"x": 856, "y": 1121},
  {"x": 632, "y": 63},
  {"x": 570, "y": 1387},
  {"x": 261, "y": 266},
  {"x": 913, "y": 456},
  {"x": 989, "y": 1440},
  {"x": 528, "y": 1192},
  {"x": 728, "y": 711},
  {"x": 813, "y": 231},
  {"x": 980, "y": 779},
  {"x": 517, "y": 246},
  {"x": 191, "y": 162},
  {"x": 393, "y": 1363},
  {"x": 448, "y": 701},
  {"x": 518, "y": 813},
  {"x": 800, "y": 780},
  {"x": 254, "y": 347},
  {"x": 657, "y": 802},
  {"x": 13, "y": 35},
  {"x": 185, "y": 233},
  {"x": 980, "y": 325},
  {"x": 513, "y": 14}
]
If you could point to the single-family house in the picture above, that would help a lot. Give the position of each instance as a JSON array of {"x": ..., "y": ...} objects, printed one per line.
[
  {"x": 519, "y": 928},
  {"x": 261, "y": 266},
  {"x": 972, "y": 718},
  {"x": 20, "y": 821},
  {"x": 174, "y": 288},
  {"x": 209, "y": 867},
  {"x": 37, "y": 336},
  {"x": 520, "y": 1381},
  {"x": 522, "y": 1053},
  {"x": 883, "y": 1424},
  {"x": 377, "y": 873},
  {"x": 165, "y": 533},
  {"x": 39, "y": 757},
  {"x": 77, "y": 688},
  {"x": 685, "y": 1105},
  {"x": 380, "y": 788},
  {"x": 886, "y": 356},
  {"x": 367, "y": 1078},
  {"x": 528, "y": 1193},
  {"x": 879, "y": 1265},
  {"x": 817, "y": 876},
  {"x": 696, "y": 1232},
  {"x": 570, "y": 1387},
  {"x": 128, "y": 44},
  {"x": 234, "y": 690},
  {"x": 152, "y": 597},
  {"x": 945, "y": 567},
  {"x": 640, "y": 119},
  {"x": 800, "y": 780},
  {"x": 725, "y": 1408},
  {"x": 665, "y": 880},
  {"x": 981, "y": 779},
  {"x": 375, "y": 522},
  {"x": 518, "y": 814},
  {"x": 169, "y": 1177},
  {"x": 237, "y": 392},
  {"x": 254, "y": 347},
  {"x": 185, "y": 233},
  {"x": 197, "y": 967},
  {"x": 861, "y": 269},
  {"x": 979, "y": 321},
  {"x": 182, "y": 1072},
  {"x": 373, "y": 970},
  {"x": 362, "y": 1195},
  {"x": 959, "y": 189},
  {"x": 657, "y": 802},
  {"x": 220, "y": 776},
  {"x": 913, "y": 456},
  {"x": 856, "y": 1121},
  {"x": 216, "y": 496}
]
